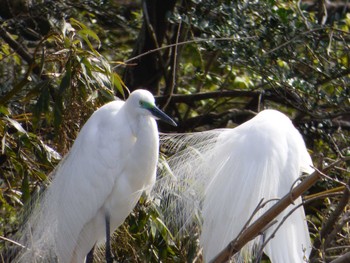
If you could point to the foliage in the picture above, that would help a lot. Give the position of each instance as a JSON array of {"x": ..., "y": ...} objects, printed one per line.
[
  {"x": 50, "y": 100},
  {"x": 60, "y": 60}
]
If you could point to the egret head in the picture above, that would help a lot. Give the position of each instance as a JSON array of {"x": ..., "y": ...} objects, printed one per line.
[{"x": 143, "y": 102}]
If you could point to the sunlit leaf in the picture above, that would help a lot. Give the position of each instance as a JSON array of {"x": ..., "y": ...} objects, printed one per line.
[
  {"x": 17, "y": 125},
  {"x": 75, "y": 22},
  {"x": 118, "y": 83},
  {"x": 25, "y": 188},
  {"x": 90, "y": 33}
]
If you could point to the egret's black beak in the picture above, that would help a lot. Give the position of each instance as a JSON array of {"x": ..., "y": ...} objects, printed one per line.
[{"x": 162, "y": 116}]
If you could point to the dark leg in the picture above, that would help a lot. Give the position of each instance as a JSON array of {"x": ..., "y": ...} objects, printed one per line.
[
  {"x": 259, "y": 256},
  {"x": 90, "y": 256},
  {"x": 109, "y": 258}
]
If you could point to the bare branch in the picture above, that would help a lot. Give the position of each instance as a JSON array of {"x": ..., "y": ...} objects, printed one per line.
[
  {"x": 329, "y": 225},
  {"x": 17, "y": 47},
  {"x": 342, "y": 259},
  {"x": 190, "y": 98}
]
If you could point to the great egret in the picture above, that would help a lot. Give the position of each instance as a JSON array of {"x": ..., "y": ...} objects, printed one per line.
[
  {"x": 224, "y": 174},
  {"x": 112, "y": 161}
]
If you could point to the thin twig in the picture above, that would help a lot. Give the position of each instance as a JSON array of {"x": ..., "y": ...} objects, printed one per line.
[
  {"x": 17, "y": 47},
  {"x": 272, "y": 235},
  {"x": 342, "y": 259},
  {"x": 336, "y": 229},
  {"x": 185, "y": 43},
  {"x": 293, "y": 40},
  {"x": 189, "y": 99},
  {"x": 12, "y": 241},
  {"x": 302, "y": 15}
]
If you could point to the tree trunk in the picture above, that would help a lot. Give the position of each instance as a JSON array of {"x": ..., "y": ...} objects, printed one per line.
[{"x": 146, "y": 71}]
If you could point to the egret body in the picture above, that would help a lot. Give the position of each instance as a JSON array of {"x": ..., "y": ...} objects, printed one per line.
[
  {"x": 260, "y": 159},
  {"x": 112, "y": 161},
  {"x": 224, "y": 174}
]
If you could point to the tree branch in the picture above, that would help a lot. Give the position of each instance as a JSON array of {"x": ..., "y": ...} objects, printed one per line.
[
  {"x": 17, "y": 47},
  {"x": 329, "y": 225},
  {"x": 342, "y": 259},
  {"x": 252, "y": 231},
  {"x": 190, "y": 98}
]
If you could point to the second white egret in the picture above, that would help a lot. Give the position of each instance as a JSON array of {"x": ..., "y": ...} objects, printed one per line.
[{"x": 224, "y": 174}]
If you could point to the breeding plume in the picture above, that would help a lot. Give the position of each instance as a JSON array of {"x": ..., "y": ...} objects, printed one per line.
[
  {"x": 112, "y": 161},
  {"x": 224, "y": 174}
]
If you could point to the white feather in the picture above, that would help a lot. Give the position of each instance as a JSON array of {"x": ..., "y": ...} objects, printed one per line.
[
  {"x": 111, "y": 162},
  {"x": 224, "y": 174}
]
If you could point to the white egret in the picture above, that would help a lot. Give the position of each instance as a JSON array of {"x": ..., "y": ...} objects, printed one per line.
[
  {"x": 224, "y": 174},
  {"x": 112, "y": 161}
]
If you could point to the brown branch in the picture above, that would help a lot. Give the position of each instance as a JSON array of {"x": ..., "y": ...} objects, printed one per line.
[
  {"x": 337, "y": 229},
  {"x": 4, "y": 99},
  {"x": 291, "y": 99},
  {"x": 342, "y": 259},
  {"x": 190, "y": 98},
  {"x": 217, "y": 120},
  {"x": 197, "y": 40},
  {"x": 329, "y": 225},
  {"x": 327, "y": 11},
  {"x": 26, "y": 56},
  {"x": 252, "y": 231},
  {"x": 17, "y": 47},
  {"x": 171, "y": 77},
  {"x": 272, "y": 94},
  {"x": 339, "y": 75},
  {"x": 272, "y": 235}
]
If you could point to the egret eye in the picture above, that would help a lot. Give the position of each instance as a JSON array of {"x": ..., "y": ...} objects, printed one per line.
[{"x": 141, "y": 103}]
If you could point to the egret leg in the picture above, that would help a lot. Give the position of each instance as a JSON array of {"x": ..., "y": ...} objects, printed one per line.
[
  {"x": 260, "y": 255},
  {"x": 90, "y": 256},
  {"x": 109, "y": 258}
]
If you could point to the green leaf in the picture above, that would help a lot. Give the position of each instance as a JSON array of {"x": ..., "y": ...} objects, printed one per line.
[
  {"x": 57, "y": 112},
  {"x": 4, "y": 110},
  {"x": 163, "y": 230},
  {"x": 153, "y": 230},
  {"x": 86, "y": 67},
  {"x": 75, "y": 22},
  {"x": 90, "y": 33},
  {"x": 51, "y": 153},
  {"x": 17, "y": 125},
  {"x": 3, "y": 144},
  {"x": 66, "y": 79},
  {"x": 118, "y": 83},
  {"x": 25, "y": 188},
  {"x": 42, "y": 104},
  {"x": 107, "y": 94},
  {"x": 85, "y": 34}
]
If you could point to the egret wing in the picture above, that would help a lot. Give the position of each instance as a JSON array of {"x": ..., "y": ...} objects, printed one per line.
[{"x": 87, "y": 176}]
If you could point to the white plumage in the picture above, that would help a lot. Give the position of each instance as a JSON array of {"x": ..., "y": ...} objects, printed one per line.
[
  {"x": 112, "y": 161},
  {"x": 225, "y": 173}
]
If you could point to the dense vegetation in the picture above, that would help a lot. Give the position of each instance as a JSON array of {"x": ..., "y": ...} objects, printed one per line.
[{"x": 212, "y": 64}]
